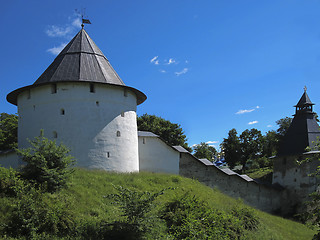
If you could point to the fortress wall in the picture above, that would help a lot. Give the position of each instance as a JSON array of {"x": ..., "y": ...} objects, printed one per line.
[
  {"x": 157, "y": 156},
  {"x": 257, "y": 195},
  {"x": 296, "y": 179},
  {"x": 9, "y": 159}
]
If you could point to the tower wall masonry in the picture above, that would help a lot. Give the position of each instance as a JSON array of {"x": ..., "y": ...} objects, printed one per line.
[{"x": 99, "y": 125}]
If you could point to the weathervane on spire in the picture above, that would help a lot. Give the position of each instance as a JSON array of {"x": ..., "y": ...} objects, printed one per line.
[
  {"x": 84, "y": 21},
  {"x": 305, "y": 88}
]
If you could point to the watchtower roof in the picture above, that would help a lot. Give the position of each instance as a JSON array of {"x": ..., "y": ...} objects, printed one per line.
[
  {"x": 80, "y": 61},
  {"x": 303, "y": 130},
  {"x": 304, "y": 100}
]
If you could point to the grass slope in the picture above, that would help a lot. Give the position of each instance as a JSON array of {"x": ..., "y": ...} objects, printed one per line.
[{"x": 88, "y": 188}]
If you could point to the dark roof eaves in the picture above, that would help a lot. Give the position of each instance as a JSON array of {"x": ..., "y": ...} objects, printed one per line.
[{"x": 12, "y": 96}]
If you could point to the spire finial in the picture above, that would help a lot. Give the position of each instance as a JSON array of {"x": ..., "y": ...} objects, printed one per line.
[
  {"x": 305, "y": 88},
  {"x": 83, "y": 20}
]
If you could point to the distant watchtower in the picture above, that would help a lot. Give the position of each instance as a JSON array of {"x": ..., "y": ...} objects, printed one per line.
[
  {"x": 81, "y": 101},
  {"x": 302, "y": 133}
]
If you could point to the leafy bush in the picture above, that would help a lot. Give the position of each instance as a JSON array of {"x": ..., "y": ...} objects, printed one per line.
[
  {"x": 32, "y": 217},
  {"x": 247, "y": 216},
  {"x": 136, "y": 207},
  {"x": 47, "y": 164},
  {"x": 10, "y": 182},
  {"x": 189, "y": 218}
]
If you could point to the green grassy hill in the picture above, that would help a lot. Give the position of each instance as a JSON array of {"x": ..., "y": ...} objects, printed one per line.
[{"x": 87, "y": 204}]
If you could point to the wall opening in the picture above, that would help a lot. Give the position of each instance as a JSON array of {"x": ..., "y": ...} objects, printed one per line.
[
  {"x": 54, "y": 88},
  {"x": 108, "y": 154},
  {"x": 144, "y": 140},
  {"x": 125, "y": 93},
  {"x": 29, "y": 94},
  {"x": 55, "y": 134},
  {"x": 122, "y": 114},
  {"x": 97, "y": 103},
  {"x": 284, "y": 161},
  {"x": 92, "y": 88},
  {"x": 34, "y": 107},
  {"x": 62, "y": 112},
  {"x": 118, "y": 134}
]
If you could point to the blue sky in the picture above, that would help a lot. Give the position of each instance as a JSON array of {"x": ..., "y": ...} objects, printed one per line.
[{"x": 208, "y": 65}]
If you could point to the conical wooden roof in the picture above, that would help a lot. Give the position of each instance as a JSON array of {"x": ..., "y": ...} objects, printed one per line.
[{"x": 80, "y": 61}]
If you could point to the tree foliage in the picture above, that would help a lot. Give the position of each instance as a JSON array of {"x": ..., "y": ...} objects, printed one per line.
[
  {"x": 270, "y": 144},
  {"x": 231, "y": 148},
  {"x": 203, "y": 150},
  {"x": 8, "y": 131},
  {"x": 172, "y": 133},
  {"x": 250, "y": 144},
  {"x": 47, "y": 164}
]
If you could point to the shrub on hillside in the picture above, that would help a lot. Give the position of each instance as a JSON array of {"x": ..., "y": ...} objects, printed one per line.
[
  {"x": 47, "y": 164},
  {"x": 136, "y": 207},
  {"x": 247, "y": 216},
  {"x": 189, "y": 218},
  {"x": 33, "y": 217}
]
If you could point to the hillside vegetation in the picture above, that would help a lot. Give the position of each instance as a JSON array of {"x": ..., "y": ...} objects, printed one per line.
[{"x": 99, "y": 202}]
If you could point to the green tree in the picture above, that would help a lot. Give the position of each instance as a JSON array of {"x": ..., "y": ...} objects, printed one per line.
[
  {"x": 47, "y": 164},
  {"x": 8, "y": 131},
  {"x": 251, "y": 142},
  {"x": 203, "y": 150},
  {"x": 283, "y": 125},
  {"x": 231, "y": 148},
  {"x": 172, "y": 133},
  {"x": 270, "y": 144}
]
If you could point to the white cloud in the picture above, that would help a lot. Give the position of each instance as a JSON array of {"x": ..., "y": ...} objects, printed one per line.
[
  {"x": 212, "y": 142},
  {"x": 77, "y": 22},
  {"x": 242, "y": 111},
  {"x": 155, "y": 60},
  {"x": 73, "y": 24},
  {"x": 253, "y": 122},
  {"x": 183, "y": 71},
  {"x": 269, "y": 126},
  {"x": 55, "y": 31},
  {"x": 163, "y": 71},
  {"x": 57, "y": 50},
  {"x": 245, "y": 111},
  {"x": 171, "y": 60}
]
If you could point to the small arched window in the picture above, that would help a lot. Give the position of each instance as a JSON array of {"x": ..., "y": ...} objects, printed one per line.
[
  {"x": 118, "y": 134},
  {"x": 54, "y": 88},
  {"x": 55, "y": 134},
  {"x": 62, "y": 112},
  {"x": 92, "y": 89},
  {"x": 122, "y": 114}
]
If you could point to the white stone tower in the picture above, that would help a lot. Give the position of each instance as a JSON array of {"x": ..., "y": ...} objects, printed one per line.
[{"x": 81, "y": 101}]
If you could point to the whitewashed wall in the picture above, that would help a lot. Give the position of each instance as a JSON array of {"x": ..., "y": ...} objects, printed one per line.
[
  {"x": 89, "y": 123},
  {"x": 157, "y": 156},
  {"x": 9, "y": 159}
]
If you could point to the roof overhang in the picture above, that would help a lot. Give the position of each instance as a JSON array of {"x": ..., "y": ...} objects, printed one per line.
[{"x": 13, "y": 96}]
